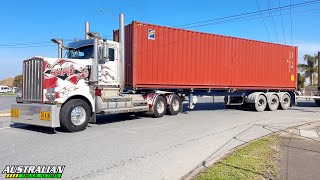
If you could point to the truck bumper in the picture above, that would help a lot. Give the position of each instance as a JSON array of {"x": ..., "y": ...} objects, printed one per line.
[{"x": 30, "y": 114}]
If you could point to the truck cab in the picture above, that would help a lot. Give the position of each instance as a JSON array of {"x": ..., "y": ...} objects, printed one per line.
[{"x": 69, "y": 91}]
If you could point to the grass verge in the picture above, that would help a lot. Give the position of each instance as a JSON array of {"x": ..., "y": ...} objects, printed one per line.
[
  {"x": 7, "y": 94},
  {"x": 257, "y": 160}
]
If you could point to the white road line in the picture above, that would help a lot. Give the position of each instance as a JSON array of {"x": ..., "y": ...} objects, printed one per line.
[
  {"x": 309, "y": 133},
  {"x": 5, "y": 114}
]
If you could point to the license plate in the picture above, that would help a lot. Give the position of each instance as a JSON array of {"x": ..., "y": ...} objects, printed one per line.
[
  {"x": 46, "y": 116},
  {"x": 15, "y": 113}
]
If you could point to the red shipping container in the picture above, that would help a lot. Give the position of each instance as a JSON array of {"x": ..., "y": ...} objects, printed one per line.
[{"x": 162, "y": 57}]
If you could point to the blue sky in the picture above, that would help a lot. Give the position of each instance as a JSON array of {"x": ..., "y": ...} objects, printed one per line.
[{"x": 37, "y": 21}]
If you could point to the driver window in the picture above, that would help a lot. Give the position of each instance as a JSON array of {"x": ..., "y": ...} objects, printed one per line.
[{"x": 111, "y": 54}]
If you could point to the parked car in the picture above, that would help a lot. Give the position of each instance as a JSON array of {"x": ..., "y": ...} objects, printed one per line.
[{"x": 5, "y": 89}]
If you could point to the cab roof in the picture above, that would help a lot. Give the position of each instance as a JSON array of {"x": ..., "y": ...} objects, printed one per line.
[{"x": 80, "y": 43}]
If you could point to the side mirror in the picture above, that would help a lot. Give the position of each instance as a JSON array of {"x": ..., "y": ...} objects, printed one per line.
[{"x": 103, "y": 53}]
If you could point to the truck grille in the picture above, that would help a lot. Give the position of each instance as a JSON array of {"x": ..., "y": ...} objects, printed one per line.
[{"x": 32, "y": 80}]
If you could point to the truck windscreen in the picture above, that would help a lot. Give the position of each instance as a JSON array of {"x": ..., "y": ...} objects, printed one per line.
[{"x": 81, "y": 53}]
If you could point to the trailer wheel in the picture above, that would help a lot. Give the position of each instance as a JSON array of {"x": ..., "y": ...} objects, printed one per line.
[
  {"x": 273, "y": 102},
  {"x": 285, "y": 102},
  {"x": 159, "y": 107},
  {"x": 175, "y": 105},
  {"x": 260, "y": 103},
  {"x": 75, "y": 115}
]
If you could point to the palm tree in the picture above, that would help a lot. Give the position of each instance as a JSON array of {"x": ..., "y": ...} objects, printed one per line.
[
  {"x": 310, "y": 68},
  {"x": 301, "y": 80}
]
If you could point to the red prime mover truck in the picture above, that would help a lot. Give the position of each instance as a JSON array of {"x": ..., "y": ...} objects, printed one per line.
[{"x": 150, "y": 68}]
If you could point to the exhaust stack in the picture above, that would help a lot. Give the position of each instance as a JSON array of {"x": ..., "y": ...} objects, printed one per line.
[
  {"x": 122, "y": 51},
  {"x": 87, "y": 30},
  {"x": 59, "y": 42},
  {"x": 95, "y": 66}
]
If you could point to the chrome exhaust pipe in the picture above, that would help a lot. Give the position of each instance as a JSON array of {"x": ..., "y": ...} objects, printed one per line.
[
  {"x": 59, "y": 42},
  {"x": 87, "y": 30},
  {"x": 122, "y": 51}
]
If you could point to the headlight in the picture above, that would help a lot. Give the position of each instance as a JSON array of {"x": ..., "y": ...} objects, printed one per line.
[{"x": 51, "y": 94}]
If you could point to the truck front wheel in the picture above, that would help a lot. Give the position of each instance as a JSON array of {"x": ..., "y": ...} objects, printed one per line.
[{"x": 74, "y": 115}]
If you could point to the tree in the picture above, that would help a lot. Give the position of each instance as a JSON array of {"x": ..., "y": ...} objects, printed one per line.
[
  {"x": 17, "y": 81},
  {"x": 301, "y": 81},
  {"x": 310, "y": 67}
]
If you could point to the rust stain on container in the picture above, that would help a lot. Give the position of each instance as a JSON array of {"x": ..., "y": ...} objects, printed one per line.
[{"x": 163, "y": 57}]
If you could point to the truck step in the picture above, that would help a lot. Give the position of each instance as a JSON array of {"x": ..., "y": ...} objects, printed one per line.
[
  {"x": 125, "y": 110},
  {"x": 117, "y": 99}
]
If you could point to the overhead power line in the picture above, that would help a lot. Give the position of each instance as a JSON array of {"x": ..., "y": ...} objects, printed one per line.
[
  {"x": 25, "y": 43},
  {"x": 264, "y": 23},
  {"x": 227, "y": 19},
  {"x": 238, "y": 19},
  {"x": 36, "y": 44},
  {"x": 29, "y": 46},
  {"x": 254, "y": 13},
  {"x": 291, "y": 22},
  {"x": 284, "y": 35},
  {"x": 274, "y": 25}
]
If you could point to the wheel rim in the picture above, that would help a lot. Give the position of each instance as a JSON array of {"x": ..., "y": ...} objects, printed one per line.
[
  {"x": 261, "y": 102},
  {"x": 274, "y": 101},
  {"x": 175, "y": 105},
  {"x": 160, "y": 107},
  {"x": 285, "y": 101},
  {"x": 78, "y": 115}
]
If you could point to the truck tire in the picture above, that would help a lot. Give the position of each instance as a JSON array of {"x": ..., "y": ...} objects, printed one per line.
[
  {"x": 75, "y": 115},
  {"x": 175, "y": 105},
  {"x": 159, "y": 107},
  {"x": 273, "y": 102},
  {"x": 285, "y": 102},
  {"x": 260, "y": 103}
]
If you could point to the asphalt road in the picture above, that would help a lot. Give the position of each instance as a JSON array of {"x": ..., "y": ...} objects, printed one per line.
[
  {"x": 6, "y": 101},
  {"x": 130, "y": 147}
]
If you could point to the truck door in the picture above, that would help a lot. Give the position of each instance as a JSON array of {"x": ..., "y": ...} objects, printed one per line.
[{"x": 109, "y": 67}]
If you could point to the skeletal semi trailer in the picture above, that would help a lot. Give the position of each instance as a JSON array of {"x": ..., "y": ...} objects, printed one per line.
[{"x": 152, "y": 69}]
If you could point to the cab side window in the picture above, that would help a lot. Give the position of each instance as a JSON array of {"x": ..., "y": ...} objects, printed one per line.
[{"x": 111, "y": 54}]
